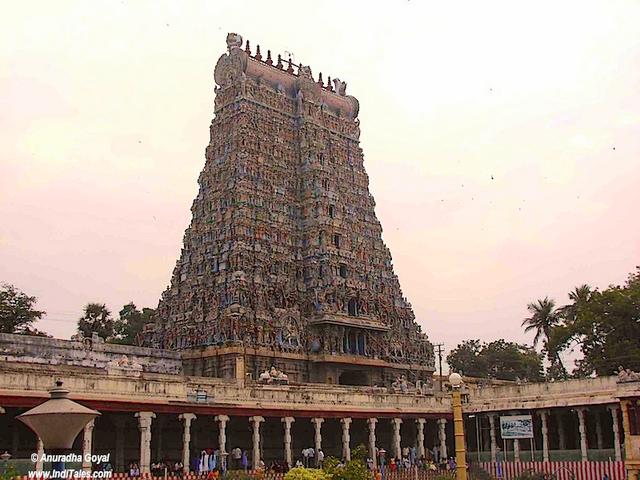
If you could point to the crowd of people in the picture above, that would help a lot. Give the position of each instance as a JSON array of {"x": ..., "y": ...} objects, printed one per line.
[
  {"x": 158, "y": 469},
  {"x": 395, "y": 464},
  {"x": 432, "y": 461},
  {"x": 210, "y": 464}
]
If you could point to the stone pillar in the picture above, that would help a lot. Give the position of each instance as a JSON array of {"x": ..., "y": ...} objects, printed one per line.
[
  {"x": 442, "y": 436},
  {"x": 516, "y": 443},
  {"x": 346, "y": 439},
  {"x": 222, "y": 439},
  {"x": 492, "y": 433},
  {"x": 40, "y": 452},
  {"x": 87, "y": 441},
  {"x": 599, "y": 441},
  {"x": 397, "y": 448},
  {"x": 632, "y": 470},
  {"x": 186, "y": 418},
  {"x": 582, "y": 427},
  {"x": 486, "y": 443},
  {"x": 158, "y": 445},
  {"x": 317, "y": 427},
  {"x": 119, "y": 423},
  {"x": 287, "y": 421},
  {"x": 240, "y": 371},
  {"x": 255, "y": 422},
  {"x": 15, "y": 439},
  {"x": 420, "y": 437},
  {"x": 372, "y": 440},
  {"x": 562, "y": 439},
  {"x": 544, "y": 417},
  {"x": 616, "y": 432},
  {"x": 144, "y": 425}
]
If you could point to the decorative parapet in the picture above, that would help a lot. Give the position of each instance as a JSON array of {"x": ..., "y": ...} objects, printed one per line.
[
  {"x": 88, "y": 353},
  {"x": 568, "y": 393},
  {"x": 237, "y": 65},
  {"x": 361, "y": 321},
  {"x": 177, "y": 393}
]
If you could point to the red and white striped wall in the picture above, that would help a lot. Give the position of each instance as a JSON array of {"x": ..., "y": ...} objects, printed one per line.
[{"x": 561, "y": 470}]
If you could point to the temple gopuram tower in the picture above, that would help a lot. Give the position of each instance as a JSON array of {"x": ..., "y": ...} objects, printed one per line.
[{"x": 283, "y": 263}]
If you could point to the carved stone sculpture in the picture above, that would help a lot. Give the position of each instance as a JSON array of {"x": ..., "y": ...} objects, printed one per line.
[
  {"x": 627, "y": 375},
  {"x": 273, "y": 376}
]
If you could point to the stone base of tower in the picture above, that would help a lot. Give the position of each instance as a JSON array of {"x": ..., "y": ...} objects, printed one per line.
[{"x": 247, "y": 364}]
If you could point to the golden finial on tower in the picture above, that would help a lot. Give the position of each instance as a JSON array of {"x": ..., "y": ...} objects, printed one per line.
[
  {"x": 279, "y": 65},
  {"x": 290, "y": 67},
  {"x": 329, "y": 87},
  {"x": 247, "y": 48},
  {"x": 269, "y": 60},
  {"x": 258, "y": 56}
]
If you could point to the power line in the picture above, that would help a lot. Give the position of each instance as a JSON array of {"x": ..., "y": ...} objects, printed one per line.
[
  {"x": 60, "y": 320},
  {"x": 439, "y": 347}
]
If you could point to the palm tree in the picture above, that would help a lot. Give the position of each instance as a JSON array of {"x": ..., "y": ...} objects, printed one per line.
[
  {"x": 96, "y": 318},
  {"x": 544, "y": 317},
  {"x": 579, "y": 296}
]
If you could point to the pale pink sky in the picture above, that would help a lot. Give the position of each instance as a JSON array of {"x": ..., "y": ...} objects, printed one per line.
[{"x": 105, "y": 108}]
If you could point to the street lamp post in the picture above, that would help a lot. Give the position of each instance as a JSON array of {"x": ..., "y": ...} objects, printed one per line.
[
  {"x": 458, "y": 426},
  {"x": 58, "y": 421}
]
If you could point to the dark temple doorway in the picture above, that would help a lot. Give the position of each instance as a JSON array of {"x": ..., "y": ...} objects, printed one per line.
[{"x": 354, "y": 377}]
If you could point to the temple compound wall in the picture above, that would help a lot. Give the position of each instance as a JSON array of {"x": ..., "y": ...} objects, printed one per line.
[
  {"x": 152, "y": 411},
  {"x": 271, "y": 418}
]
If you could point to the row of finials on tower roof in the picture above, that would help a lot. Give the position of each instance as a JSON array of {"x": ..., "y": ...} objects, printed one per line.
[{"x": 280, "y": 65}]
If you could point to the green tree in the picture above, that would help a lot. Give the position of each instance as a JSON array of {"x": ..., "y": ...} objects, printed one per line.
[
  {"x": 130, "y": 323},
  {"x": 17, "y": 312},
  {"x": 467, "y": 358},
  {"x": 544, "y": 317},
  {"x": 512, "y": 361},
  {"x": 606, "y": 326},
  {"x": 498, "y": 359},
  {"x": 579, "y": 297},
  {"x": 96, "y": 319}
]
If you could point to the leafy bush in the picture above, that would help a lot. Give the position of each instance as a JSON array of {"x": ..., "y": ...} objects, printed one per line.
[
  {"x": 330, "y": 465},
  {"x": 301, "y": 473},
  {"x": 353, "y": 470},
  {"x": 9, "y": 474},
  {"x": 360, "y": 453}
]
